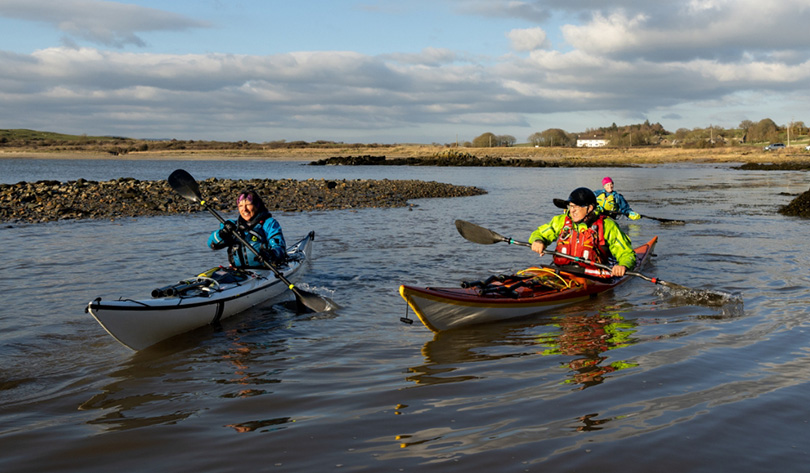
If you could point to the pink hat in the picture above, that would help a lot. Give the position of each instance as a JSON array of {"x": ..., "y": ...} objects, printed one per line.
[{"x": 606, "y": 180}]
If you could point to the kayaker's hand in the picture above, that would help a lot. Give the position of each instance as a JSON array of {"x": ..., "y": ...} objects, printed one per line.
[
  {"x": 618, "y": 270},
  {"x": 539, "y": 247},
  {"x": 228, "y": 231}
]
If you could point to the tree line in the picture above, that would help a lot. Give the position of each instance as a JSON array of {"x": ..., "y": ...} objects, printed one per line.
[
  {"x": 652, "y": 134},
  {"x": 643, "y": 134}
]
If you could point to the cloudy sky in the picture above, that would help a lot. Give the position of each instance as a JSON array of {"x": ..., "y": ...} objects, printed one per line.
[{"x": 397, "y": 71}]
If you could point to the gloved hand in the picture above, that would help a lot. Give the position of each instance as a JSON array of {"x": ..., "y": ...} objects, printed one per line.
[
  {"x": 228, "y": 231},
  {"x": 633, "y": 216}
]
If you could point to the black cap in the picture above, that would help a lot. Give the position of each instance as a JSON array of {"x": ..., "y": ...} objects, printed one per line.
[{"x": 581, "y": 196}]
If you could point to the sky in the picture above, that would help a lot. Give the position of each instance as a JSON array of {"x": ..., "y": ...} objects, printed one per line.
[{"x": 398, "y": 71}]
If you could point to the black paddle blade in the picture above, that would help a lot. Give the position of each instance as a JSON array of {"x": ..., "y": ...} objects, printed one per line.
[
  {"x": 308, "y": 301},
  {"x": 185, "y": 185},
  {"x": 478, "y": 234}
]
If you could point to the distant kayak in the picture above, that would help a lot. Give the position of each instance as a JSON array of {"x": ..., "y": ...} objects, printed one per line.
[
  {"x": 530, "y": 291},
  {"x": 200, "y": 300}
]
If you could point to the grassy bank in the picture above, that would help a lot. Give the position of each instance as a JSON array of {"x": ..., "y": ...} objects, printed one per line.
[{"x": 651, "y": 155}]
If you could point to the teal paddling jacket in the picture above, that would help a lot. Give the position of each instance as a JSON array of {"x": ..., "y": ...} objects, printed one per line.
[
  {"x": 263, "y": 233},
  {"x": 619, "y": 204}
]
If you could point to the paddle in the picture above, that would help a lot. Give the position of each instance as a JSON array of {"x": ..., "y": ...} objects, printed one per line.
[
  {"x": 665, "y": 220},
  {"x": 185, "y": 185},
  {"x": 484, "y": 236},
  {"x": 662, "y": 220}
]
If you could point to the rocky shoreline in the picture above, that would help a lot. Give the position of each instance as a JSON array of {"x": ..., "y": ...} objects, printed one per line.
[
  {"x": 46, "y": 201},
  {"x": 461, "y": 159},
  {"x": 798, "y": 207}
]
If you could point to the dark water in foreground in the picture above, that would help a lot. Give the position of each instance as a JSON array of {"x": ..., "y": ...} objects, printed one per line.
[{"x": 634, "y": 380}]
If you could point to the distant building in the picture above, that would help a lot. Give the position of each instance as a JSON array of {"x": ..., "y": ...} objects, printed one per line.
[{"x": 594, "y": 141}]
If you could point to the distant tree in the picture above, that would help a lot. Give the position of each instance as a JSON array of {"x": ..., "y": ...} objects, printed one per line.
[
  {"x": 764, "y": 130},
  {"x": 507, "y": 140},
  {"x": 487, "y": 140},
  {"x": 553, "y": 137}
]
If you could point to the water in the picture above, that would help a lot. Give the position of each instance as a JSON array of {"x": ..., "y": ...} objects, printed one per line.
[{"x": 639, "y": 379}]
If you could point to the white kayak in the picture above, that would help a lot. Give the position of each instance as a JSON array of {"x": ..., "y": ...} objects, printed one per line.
[{"x": 204, "y": 299}]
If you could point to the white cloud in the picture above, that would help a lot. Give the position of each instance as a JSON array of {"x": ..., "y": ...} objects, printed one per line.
[
  {"x": 626, "y": 58},
  {"x": 99, "y": 22},
  {"x": 528, "y": 39},
  {"x": 604, "y": 35}
]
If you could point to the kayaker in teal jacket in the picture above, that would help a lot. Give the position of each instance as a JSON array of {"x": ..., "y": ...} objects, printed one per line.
[
  {"x": 256, "y": 226},
  {"x": 613, "y": 203},
  {"x": 581, "y": 231}
]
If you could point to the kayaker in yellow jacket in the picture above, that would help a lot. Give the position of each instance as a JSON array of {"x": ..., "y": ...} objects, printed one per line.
[{"x": 581, "y": 231}]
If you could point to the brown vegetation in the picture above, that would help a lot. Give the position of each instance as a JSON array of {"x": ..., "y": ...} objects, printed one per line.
[
  {"x": 606, "y": 156},
  {"x": 35, "y": 144}
]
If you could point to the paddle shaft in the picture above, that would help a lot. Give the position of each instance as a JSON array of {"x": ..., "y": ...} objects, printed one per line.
[
  {"x": 247, "y": 245},
  {"x": 478, "y": 234},
  {"x": 662, "y": 220},
  {"x": 185, "y": 185},
  {"x": 583, "y": 260},
  {"x": 485, "y": 236}
]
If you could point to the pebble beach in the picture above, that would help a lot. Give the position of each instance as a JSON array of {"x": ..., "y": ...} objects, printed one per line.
[{"x": 45, "y": 201}]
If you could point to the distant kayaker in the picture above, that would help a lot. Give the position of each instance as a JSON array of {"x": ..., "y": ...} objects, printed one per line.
[
  {"x": 256, "y": 226},
  {"x": 581, "y": 231},
  {"x": 613, "y": 203}
]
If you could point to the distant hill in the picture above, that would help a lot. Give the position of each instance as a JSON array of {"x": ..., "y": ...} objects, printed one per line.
[
  {"x": 21, "y": 134},
  {"x": 46, "y": 140}
]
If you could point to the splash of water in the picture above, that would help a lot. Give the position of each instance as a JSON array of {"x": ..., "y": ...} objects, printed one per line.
[{"x": 705, "y": 297}]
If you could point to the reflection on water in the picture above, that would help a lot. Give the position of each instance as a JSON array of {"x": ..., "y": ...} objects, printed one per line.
[
  {"x": 581, "y": 339},
  {"x": 157, "y": 377},
  {"x": 586, "y": 338}
]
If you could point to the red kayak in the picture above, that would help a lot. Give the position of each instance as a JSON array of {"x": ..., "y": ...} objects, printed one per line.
[{"x": 530, "y": 291}]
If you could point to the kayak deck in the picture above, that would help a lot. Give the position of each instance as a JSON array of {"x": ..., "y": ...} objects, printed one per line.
[
  {"x": 530, "y": 291},
  {"x": 195, "y": 302}
]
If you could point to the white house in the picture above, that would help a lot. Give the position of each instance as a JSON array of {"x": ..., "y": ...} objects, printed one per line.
[{"x": 591, "y": 143}]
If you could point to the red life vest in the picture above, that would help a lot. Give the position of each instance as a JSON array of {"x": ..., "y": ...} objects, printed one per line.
[{"x": 588, "y": 244}]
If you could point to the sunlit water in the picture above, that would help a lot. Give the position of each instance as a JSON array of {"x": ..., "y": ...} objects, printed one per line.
[{"x": 639, "y": 379}]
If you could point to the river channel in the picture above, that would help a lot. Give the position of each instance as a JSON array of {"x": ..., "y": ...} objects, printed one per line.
[{"x": 637, "y": 379}]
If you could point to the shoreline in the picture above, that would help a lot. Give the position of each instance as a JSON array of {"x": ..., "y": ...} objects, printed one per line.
[
  {"x": 48, "y": 201},
  {"x": 557, "y": 156}
]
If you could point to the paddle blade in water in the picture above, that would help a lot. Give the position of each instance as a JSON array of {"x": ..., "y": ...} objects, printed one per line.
[
  {"x": 314, "y": 302},
  {"x": 703, "y": 297}
]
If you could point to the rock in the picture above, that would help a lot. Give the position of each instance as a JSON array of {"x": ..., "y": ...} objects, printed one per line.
[
  {"x": 798, "y": 207},
  {"x": 45, "y": 201}
]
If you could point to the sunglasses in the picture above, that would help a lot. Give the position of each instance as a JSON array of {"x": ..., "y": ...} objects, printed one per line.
[{"x": 245, "y": 197}]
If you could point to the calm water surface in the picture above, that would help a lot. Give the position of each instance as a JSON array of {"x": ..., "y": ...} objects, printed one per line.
[{"x": 637, "y": 379}]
